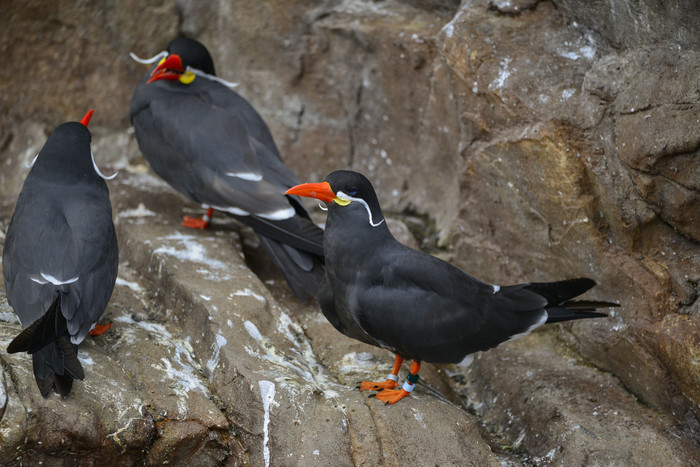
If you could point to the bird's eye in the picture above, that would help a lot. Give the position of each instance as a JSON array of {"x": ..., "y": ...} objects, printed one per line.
[{"x": 352, "y": 191}]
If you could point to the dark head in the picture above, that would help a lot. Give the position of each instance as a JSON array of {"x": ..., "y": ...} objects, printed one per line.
[
  {"x": 345, "y": 190},
  {"x": 66, "y": 155},
  {"x": 183, "y": 53},
  {"x": 192, "y": 53}
]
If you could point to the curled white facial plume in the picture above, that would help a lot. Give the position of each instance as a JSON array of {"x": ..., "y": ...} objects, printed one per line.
[
  {"x": 94, "y": 164},
  {"x": 147, "y": 61}
]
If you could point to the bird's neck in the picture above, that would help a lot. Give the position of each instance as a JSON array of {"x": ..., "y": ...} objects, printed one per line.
[{"x": 345, "y": 235}]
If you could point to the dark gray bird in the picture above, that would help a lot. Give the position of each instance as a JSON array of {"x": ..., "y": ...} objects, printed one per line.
[
  {"x": 60, "y": 257},
  {"x": 383, "y": 293},
  {"x": 209, "y": 144}
]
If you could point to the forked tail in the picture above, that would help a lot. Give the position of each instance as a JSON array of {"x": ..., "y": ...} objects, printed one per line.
[
  {"x": 559, "y": 295},
  {"x": 55, "y": 359}
]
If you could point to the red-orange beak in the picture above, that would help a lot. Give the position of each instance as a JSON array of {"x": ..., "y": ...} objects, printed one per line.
[
  {"x": 86, "y": 119},
  {"x": 171, "y": 69},
  {"x": 320, "y": 191}
]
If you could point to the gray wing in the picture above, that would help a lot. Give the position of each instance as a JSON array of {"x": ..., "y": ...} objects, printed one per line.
[
  {"x": 50, "y": 243},
  {"x": 213, "y": 154},
  {"x": 426, "y": 309}
]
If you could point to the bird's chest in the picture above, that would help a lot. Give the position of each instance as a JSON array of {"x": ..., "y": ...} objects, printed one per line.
[
  {"x": 350, "y": 270},
  {"x": 347, "y": 258}
]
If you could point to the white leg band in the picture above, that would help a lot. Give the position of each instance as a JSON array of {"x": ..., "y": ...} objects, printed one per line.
[
  {"x": 206, "y": 218},
  {"x": 408, "y": 387},
  {"x": 393, "y": 377}
]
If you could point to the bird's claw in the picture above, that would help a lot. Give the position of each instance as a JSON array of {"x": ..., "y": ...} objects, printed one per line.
[
  {"x": 195, "y": 222},
  {"x": 99, "y": 329},
  {"x": 376, "y": 385},
  {"x": 392, "y": 396}
]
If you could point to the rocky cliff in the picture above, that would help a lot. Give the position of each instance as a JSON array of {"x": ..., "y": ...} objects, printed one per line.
[{"x": 521, "y": 140}]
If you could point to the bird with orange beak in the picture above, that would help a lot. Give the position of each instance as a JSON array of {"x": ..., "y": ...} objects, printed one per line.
[
  {"x": 421, "y": 308},
  {"x": 212, "y": 146},
  {"x": 60, "y": 257}
]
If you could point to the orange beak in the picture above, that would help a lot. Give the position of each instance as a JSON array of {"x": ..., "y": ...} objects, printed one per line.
[
  {"x": 320, "y": 191},
  {"x": 86, "y": 119},
  {"x": 171, "y": 69}
]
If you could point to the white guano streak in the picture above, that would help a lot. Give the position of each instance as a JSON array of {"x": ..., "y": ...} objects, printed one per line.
[{"x": 267, "y": 393}]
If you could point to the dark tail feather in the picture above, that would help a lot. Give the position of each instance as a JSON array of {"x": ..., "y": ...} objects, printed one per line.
[
  {"x": 71, "y": 364},
  {"x": 54, "y": 358},
  {"x": 302, "y": 271},
  {"x": 22, "y": 341},
  {"x": 557, "y": 293},
  {"x": 57, "y": 365},
  {"x": 557, "y": 314},
  {"x": 45, "y": 384},
  {"x": 588, "y": 305},
  {"x": 299, "y": 232},
  {"x": 63, "y": 384},
  {"x": 560, "y": 307},
  {"x": 42, "y": 332}
]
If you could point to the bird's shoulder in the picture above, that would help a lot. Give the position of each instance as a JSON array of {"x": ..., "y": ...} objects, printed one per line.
[
  {"x": 405, "y": 268},
  {"x": 48, "y": 228}
]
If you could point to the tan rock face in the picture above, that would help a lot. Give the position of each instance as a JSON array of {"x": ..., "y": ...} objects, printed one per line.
[{"x": 522, "y": 140}]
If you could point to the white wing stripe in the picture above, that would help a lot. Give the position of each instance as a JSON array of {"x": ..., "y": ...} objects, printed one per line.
[
  {"x": 48, "y": 278},
  {"x": 278, "y": 215},
  {"x": 246, "y": 176},
  {"x": 31, "y": 164}
]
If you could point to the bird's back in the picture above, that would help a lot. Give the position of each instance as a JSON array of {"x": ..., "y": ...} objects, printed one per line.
[
  {"x": 61, "y": 231},
  {"x": 426, "y": 309}
]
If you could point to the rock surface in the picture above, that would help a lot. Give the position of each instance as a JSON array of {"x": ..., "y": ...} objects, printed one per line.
[{"x": 522, "y": 140}]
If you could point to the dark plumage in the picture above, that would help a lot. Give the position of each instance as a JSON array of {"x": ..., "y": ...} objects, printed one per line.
[
  {"x": 60, "y": 257},
  {"x": 421, "y": 308},
  {"x": 209, "y": 144}
]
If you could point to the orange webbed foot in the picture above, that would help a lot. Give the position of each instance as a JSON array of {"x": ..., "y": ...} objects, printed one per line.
[
  {"x": 195, "y": 222},
  {"x": 377, "y": 385},
  {"x": 99, "y": 329},
  {"x": 392, "y": 396}
]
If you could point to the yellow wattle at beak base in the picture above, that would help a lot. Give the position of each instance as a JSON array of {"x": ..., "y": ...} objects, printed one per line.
[
  {"x": 187, "y": 77},
  {"x": 341, "y": 201}
]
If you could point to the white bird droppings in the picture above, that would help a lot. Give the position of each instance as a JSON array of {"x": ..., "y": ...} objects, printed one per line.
[
  {"x": 253, "y": 331},
  {"x": 267, "y": 393},
  {"x": 248, "y": 293},
  {"x": 140, "y": 211}
]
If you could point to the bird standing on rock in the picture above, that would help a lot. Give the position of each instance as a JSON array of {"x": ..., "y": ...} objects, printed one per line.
[
  {"x": 383, "y": 293},
  {"x": 209, "y": 144},
  {"x": 60, "y": 258}
]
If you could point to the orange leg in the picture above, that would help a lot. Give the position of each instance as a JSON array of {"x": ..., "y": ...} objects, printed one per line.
[
  {"x": 99, "y": 329},
  {"x": 198, "y": 222},
  {"x": 392, "y": 396},
  {"x": 391, "y": 382}
]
